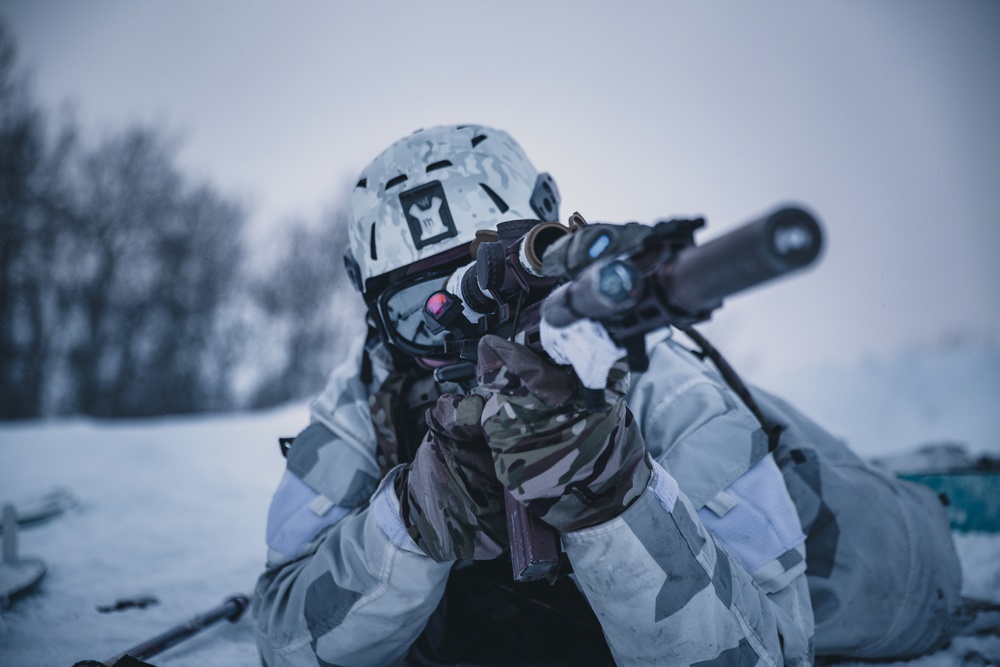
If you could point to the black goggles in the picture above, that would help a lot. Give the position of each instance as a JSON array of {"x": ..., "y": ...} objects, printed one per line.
[{"x": 399, "y": 297}]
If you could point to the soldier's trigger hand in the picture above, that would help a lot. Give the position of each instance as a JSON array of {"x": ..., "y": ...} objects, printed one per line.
[
  {"x": 451, "y": 500},
  {"x": 571, "y": 466}
]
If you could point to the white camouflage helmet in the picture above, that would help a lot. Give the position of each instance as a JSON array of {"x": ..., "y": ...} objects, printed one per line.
[
  {"x": 433, "y": 190},
  {"x": 415, "y": 212}
]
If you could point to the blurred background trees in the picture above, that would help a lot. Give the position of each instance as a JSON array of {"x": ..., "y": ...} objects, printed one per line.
[
  {"x": 309, "y": 330},
  {"x": 126, "y": 287}
]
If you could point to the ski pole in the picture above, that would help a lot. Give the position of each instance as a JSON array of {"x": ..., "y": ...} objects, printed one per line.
[{"x": 230, "y": 610}]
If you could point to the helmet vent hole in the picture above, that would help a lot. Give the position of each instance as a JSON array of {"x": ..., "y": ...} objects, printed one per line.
[
  {"x": 371, "y": 245},
  {"x": 438, "y": 165},
  {"x": 478, "y": 139},
  {"x": 395, "y": 180},
  {"x": 500, "y": 203},
  {"x": 363, "y": 183}
]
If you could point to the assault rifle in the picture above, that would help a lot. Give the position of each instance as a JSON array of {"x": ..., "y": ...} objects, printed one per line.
[{"x": 632, "y": 279}]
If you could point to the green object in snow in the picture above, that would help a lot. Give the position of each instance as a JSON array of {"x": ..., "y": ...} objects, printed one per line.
[{"x": 971, "y": 497}]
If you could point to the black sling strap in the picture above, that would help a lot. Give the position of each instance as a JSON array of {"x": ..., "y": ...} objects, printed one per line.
[{"x": 772, "y": 429}]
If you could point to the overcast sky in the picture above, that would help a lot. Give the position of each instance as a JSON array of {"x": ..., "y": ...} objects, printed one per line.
[{"x": 881, "y": 117}]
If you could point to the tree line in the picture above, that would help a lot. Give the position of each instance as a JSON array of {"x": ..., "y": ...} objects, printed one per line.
[{"x": 127, "y": 287}]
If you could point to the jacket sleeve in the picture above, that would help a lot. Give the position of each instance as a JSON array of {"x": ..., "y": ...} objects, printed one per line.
[
  {"x": 361, "y": 598},
  {"x": 667, "y": 592},
  {"x": 345, "y": 584},
  {"x": 713, "y": 549}
]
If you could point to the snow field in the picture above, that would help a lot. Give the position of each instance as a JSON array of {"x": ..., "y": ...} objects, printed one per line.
[{"x": 175, "y": 508}]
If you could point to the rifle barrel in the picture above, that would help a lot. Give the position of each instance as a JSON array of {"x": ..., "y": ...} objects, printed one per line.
[{"x": 780, "y": 242}]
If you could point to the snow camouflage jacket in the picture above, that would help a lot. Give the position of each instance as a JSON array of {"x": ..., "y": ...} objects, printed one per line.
[{"x": 707, "y": 567}]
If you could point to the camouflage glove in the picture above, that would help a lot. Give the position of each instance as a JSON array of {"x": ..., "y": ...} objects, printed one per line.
[
  {"x": 571, "y": 467},
  {"x": 450, "y": 498}
]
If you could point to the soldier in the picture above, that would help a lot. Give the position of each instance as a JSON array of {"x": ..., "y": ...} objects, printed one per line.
[{"x": 692, "y": 537}]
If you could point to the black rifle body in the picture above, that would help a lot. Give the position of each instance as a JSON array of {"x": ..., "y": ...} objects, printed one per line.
[{"x": 634, "y": 279}]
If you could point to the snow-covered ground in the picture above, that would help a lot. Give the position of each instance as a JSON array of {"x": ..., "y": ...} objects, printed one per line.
[{"x": 174, "y": 508}]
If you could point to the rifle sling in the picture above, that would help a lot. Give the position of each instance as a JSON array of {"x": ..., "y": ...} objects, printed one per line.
[{"x": 772, "y": 429}]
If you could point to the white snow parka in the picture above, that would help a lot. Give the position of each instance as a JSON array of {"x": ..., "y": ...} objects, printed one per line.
[{"x": 708, "y": 566}]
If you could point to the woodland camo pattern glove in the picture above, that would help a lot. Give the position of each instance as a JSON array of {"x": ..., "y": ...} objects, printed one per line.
[
  {"x": 572, "y": 467},
  {"x": 450, "y": 498}
]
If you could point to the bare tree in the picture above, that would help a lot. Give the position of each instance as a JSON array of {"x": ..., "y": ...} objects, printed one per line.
[
  {"x": 153, "y": 260},
  {"x": 123, "y": 287},
  {"x": 28, "y": 200},
  {"x": 311, "y": 309}
]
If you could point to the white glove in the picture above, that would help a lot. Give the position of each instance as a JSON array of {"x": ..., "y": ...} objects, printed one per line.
[{"x": 586, "y": 346}]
